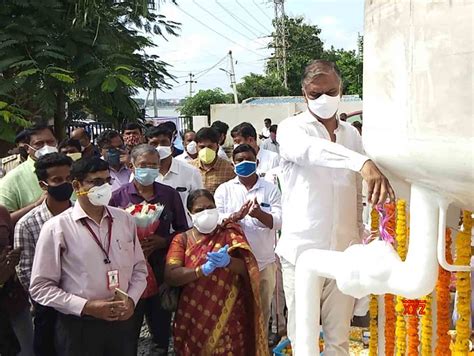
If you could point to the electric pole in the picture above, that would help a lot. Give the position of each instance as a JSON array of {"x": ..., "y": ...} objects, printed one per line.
[
  {"x": 280, "y": 40},
  {"x": 155, "y": 106},
  {"x": 191, "y": 81},
  {"x": 232, "y": 78}
]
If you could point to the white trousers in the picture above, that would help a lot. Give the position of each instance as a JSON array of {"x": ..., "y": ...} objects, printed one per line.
[{"x": 336, "y": 312}]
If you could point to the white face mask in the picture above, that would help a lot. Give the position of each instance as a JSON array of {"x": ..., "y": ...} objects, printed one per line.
[
  {"x": 45, "y": 150},
  {"x": 164, "y": 151},
  {"x": 191, "y": 148},
  {"x": 100, "y": 196},
  {"x": 206, "y": 221},
  {"x": 325, "y": 106}
]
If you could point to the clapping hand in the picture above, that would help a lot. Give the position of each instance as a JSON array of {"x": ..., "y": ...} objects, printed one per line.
[
  {"x": 220, "y": 258},
  {"x": 255, "y": 210},
  {"x": 244, "y": 210}
]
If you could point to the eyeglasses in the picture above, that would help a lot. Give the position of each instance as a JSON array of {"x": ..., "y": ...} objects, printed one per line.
[{"x": 99, "y": 181}]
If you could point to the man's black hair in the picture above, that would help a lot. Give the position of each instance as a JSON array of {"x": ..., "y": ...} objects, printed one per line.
[
  {"x": 220, "y": 127},
  {"x": 132, "y": 126},
  {"x": 207, "y": 133},
  {"x": 244, "y": 148},
  {"x": 158, "y": 131},
  {"x": 48, "y": 161},
  {"x": 69, "y": 142},
  {"x": 82, "y": 167},
  {"x": 268, "y": 119},
  {"x": 245, "y": 130},
  {"x": 22, "y": 137},
  {"x": 37, "y": 128},
  {"x": 273, "y": 128},
  {"x": 170, "y": 125},
  {"x": 106, "y": 137}
]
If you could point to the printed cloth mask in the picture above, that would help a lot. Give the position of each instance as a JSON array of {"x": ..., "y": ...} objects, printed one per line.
[
  {"x": 45, "y": 150},
  {"x": 146, "y": 176},
  {"x": 206, "y": 220},
  {"x": 132, "y": 140},
  {"x": 245, "y": 168},
  {"x": 100, "y": 196},
  {"x": 206, "y": 155},
  {"x": 60, "y": 192},
  {"x": 325, "y": 106},
  {"x": 164, "y": 151}
]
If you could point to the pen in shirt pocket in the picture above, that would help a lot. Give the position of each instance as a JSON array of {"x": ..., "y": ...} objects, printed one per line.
[
  {"x": 119, "y": 244},
  {"x": 265, "y": 205}
]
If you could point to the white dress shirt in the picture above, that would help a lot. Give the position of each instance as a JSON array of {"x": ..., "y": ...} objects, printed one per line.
[
  {"x": 269, "y": 145},
  {"x": 266, "y": 161},
  {"x": 184, "y": 157},
  {"x": 266, "y": 132},
  {"x": 221, "y": 153},
  {"x": 184, "y": 178},
  {"x": 231, "y": 195},
  {"x": 321, "y": 186}
]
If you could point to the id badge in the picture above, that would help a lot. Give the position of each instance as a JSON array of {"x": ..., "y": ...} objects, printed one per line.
[{"x": 113, "y": 279}]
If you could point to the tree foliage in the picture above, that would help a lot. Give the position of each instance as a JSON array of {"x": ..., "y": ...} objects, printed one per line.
[
  {"x": 305, "y": 45},
  {"x": 257, "y": 85},
  {"x": 78, "y": 57},
  {"x": 200, "y": 103}
]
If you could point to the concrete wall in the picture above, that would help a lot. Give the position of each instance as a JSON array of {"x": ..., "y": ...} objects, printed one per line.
[{"x": 255, "y": 113}]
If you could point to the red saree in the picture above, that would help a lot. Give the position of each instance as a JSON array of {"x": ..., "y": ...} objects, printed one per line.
[{"x": 219, "y": 314}]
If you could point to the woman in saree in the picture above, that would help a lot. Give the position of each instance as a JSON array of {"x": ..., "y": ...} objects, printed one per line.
[{"x": 219, "y": 309}]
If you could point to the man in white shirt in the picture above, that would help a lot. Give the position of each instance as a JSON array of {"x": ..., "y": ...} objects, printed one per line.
[
  {"x": 190, "y": 147},
  {"x": 177, "y": 174},
  {"x": 266, "y": 129},
  {"x": 256, "y": 205},
  {"x": 271, "y": 143},
  {"x": 222, "y": 128},
  {"x": 322, "y": 162},
  {"x": 245, "y": 133}
]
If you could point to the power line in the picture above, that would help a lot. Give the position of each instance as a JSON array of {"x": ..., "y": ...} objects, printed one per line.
[
  {"x": 218, "y": 33},
  {"x": 253, "y": 17},
  {"x": 261, "y": 10},
  {"x": 222, "y": 22},
  {"x": 238, "y": 20}
]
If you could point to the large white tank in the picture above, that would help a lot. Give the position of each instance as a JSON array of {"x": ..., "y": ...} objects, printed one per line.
[{"x": 418, "y": 92}]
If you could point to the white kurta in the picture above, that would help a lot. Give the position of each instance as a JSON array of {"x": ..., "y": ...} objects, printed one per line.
[{"x": 321, "y": 186}]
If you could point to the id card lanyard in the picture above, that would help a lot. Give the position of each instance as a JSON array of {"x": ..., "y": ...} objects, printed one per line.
[{"x": 96, "y": 239}]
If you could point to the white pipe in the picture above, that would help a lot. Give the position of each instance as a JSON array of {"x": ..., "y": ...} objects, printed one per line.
[
  {"x": 369, "y": 269},
  {"x": 443, "y": 207}
]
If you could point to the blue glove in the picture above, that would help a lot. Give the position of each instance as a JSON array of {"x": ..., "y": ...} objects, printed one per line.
[
  {"x": 220, "y": 258},
  {"x": 208, "y": 267}
]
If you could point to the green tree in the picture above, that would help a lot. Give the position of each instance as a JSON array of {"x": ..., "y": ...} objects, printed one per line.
[
  {"x": 257, "y": 85},
  {"x": 84, "y": 56},
  {"x": 200, "y": 103},
  {"x": 303, "y": 45}
]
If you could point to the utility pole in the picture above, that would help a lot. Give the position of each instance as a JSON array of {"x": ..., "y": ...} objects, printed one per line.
[
  {"x": 191, "y": 81},
  {"x": 232, "y": 78},
  {"x": 280, "y": 40},
  {"x": 155, "y": 106}
]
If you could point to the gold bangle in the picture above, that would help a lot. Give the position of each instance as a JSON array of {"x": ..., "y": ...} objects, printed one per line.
[{"x": 198, "y": 271}]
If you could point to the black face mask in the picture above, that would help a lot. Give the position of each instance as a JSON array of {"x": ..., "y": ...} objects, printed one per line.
[
  {"x": 113, "y": 157},
  {"x": 23, "y": 152},
  {"x": 61, "y": 192}
]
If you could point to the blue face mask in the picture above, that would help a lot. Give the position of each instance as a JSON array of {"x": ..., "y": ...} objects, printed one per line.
[
  {"x": 245, "y": 168},
  {"x": 146, "y": 176},
  {"x": 113, "y": 157}
]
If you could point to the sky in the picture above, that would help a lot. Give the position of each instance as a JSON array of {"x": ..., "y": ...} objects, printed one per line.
[{"x": 210, "y": 28}]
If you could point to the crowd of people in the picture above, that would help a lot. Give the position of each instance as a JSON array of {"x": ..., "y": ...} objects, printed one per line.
[{"x": 73, "y": 271}]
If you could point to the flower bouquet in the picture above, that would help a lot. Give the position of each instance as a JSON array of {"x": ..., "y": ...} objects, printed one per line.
[{"x": 147, "y": 219}]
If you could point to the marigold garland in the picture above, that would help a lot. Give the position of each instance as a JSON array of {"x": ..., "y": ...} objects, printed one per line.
[
  {"x": 463, "y": 286},
  {"x": 389, "y": 299},
  {"x": 426, "y": 327},
  {"x": 401, "y": 234},
  {"x": 443, "y": 300},
  {"x": 412, "y": 331},
  {"x": 373, "y": 312},
  {"x": 373, "y": 305}
]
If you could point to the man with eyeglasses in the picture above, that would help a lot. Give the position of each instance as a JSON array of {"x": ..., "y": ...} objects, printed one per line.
[
  {"x": 53, "y": 171},
  {"x": 19, "y": 189},
  {"x": 144, "y": 188},
  {"x": 82, "y": 257},
  {"x": 114, "y": 152}
]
